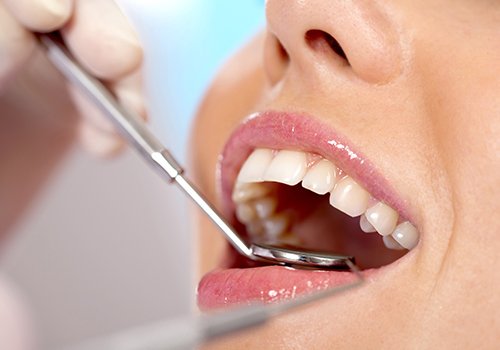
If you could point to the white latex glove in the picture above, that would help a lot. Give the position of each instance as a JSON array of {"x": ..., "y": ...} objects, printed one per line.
[
  {"x": 40, "y": 113},
  {"x": 101, "y": 39}
]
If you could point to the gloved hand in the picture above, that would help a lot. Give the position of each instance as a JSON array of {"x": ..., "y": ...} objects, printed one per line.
[
  {"x": 101, "y": 39},
  {"x": 41, "y": 115}
]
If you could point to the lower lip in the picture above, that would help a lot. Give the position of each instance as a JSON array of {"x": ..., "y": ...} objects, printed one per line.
[{"x": 223, "y": 288}]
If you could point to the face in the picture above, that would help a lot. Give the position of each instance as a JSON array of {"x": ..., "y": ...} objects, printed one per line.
[{"x": 352, "y": 116}]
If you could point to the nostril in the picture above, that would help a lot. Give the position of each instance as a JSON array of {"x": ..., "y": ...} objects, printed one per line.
[
  {"x": 280, "y": 49},
  {"x": 320, "y": 40},
  {"x": 334, "y": 44}
]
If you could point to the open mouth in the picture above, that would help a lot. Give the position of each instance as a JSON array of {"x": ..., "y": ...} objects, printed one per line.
[
  {"x": 287, "y": 180},
  {"x": 298, "y": 198}
]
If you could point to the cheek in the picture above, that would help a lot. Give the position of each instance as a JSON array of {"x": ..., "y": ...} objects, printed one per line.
[
  {"x": 211, "y": 245},
  {"x": 218, "y": 116},
  {"x": 231, "y": 97},
  {"x": 467, "y": 128},
  {"x": 465, "y": 114},
  {"x": 212, "y": 128},
  {"x": 463, "y": 108}
]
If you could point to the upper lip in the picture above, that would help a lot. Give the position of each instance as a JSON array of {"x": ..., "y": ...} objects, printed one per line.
[{"x": 284, "y": 130}]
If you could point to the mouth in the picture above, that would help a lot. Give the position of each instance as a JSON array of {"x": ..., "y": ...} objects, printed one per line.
[{"x": 287, "y": 179}]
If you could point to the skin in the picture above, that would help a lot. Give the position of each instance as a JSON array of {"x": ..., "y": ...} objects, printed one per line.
[{"x": 419, "y": 97}]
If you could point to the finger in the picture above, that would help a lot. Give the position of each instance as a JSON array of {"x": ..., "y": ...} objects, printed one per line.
[
  {"x": 130, "y": 93},
  {"x": 98, "y": 134},
  {"x": 95, "y": 132},
  {"x": 16, "y": 45},
  {"x": 90, "y": 113},
  {"x": 99, "y": 143},
  {"x": 102, "y": 39},
  {"x": 41, "y": 15}
]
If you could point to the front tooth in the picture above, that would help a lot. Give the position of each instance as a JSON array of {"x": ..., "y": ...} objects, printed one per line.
[
  {"x": 349, "y": 197},
  {"x": 391, "y": 243},
  {"x": 383, "y": 218},
  {"x": 288, "y": 167},
  {"x": 275, "y": 226},
  {"x": 321, "y": 177},
  {"x": 255, "y": 166},
  {"x": 245, "y": 213},
  {"x": 246, "y": 191},
  {"x": 406, "y": 235},
  {"x": 365, "y": 225},
  {"x": 265, "y": 207}
]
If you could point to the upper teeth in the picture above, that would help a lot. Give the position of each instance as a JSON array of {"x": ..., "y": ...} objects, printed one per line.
[
  {"x": 321, "y": 177},
  {"x": 257, "y": 210}
]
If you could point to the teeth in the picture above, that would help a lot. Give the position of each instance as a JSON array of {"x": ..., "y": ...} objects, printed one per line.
[
  {"x": 245, "y": 213},
  {"x": 321, "y": 177},
  {"x": 265, "y": 207},
  {"x": 275, "y": 226},
  {"x": 288, "y": 167},
  {"x": 255, "y": 166},
  {"x": 391, "y": 243},
  {"x": 254, "y": 228},
  {"x": 365, "y": 225},
  {"x": 383, "y": 218},
  {"x": 256, "y": 207},
  {"x": 406, "y": 235},
  {"x": 349, "y": 197},
  {"x": 244, "y": 192}
]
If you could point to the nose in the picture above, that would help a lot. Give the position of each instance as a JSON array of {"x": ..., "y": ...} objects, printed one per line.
[{"x": 356, "y": 39}]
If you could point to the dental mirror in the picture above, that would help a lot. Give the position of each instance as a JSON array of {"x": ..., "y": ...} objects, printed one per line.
[
  {"x": 143, "y": 140},
  {"x": 299, "y": 257}
]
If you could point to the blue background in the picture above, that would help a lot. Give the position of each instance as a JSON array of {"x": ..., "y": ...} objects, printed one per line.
[{"x": 185, "y": 43}]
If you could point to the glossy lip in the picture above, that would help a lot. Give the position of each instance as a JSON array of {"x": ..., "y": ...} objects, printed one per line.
[
  {"x": 266, "y": 284},
  {"x": 282, "y": 130}
]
